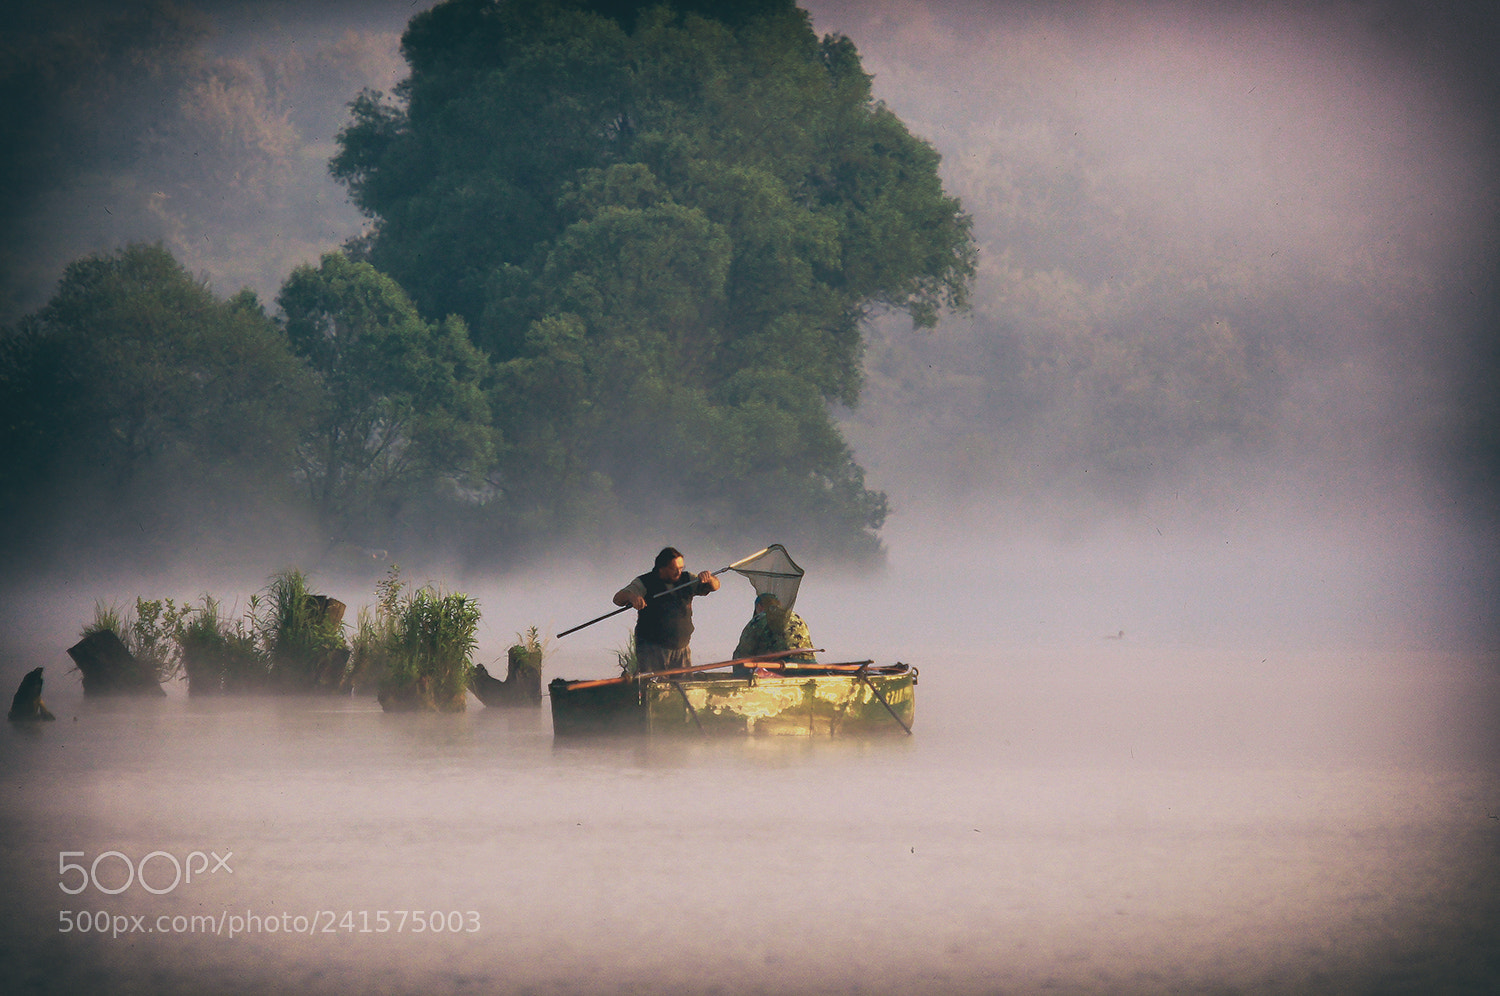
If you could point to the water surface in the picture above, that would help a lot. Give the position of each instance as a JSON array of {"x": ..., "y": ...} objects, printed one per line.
[{"x": 1087, "y": 824}]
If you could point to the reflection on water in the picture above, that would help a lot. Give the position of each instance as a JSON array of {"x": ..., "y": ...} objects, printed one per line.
[{"x": 1207, "y": 842}]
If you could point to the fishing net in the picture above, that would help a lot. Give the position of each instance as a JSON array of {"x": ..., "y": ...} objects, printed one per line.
[{"x": 773, "y": 570}]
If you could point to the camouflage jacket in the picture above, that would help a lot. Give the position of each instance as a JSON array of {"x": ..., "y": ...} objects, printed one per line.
[{"x": 773, "y": 630}]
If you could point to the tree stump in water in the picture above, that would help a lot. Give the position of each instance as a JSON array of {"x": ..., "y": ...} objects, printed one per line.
[
  {"x": 522, "y": 685},
  {"x": 28, "y": 704},
  {"x": 331, "y": 674},
  {"x": 331, "y": 609},
  {"x": 313, "y": 664},
  {"x": 109, "y": 669}
]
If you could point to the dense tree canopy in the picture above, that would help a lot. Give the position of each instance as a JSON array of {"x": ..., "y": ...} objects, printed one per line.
[
  {"x": 400, "y": 415},
  {"x": 665, "y": 227},
  {"x": 136, "y": 381},
  {"x": 138, "y": 406}
]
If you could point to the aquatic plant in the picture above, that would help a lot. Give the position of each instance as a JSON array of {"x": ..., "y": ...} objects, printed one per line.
[
  {"x": 375, "y": 633},
  {"x": 303, "y": 634},
  {"x": 149, "y": 630},
  {"x": 220, "y": 654},
  {"x": 432, "y": 643},
  {"x": 527, "y": 652},
  {"x": 107, "y": 617},
  {"x": 625, "y": 656}
]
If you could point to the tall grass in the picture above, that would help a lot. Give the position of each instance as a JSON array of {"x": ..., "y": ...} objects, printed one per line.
[
  {"x": 303, "y": 643},
  {"x": 375, "y": 632},
  {"x": 110, "y": 618},
  {"x": 429, "y": 654},
  {"x": 626, "y": 657},
  {"x": 220, "y": 654},
  {"x": 526, "y": 653}
]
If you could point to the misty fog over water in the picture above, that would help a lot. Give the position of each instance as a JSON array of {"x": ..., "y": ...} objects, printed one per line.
[
  {"x": 1207, "y": 701},
  {"x": 1094, "y": 820}
]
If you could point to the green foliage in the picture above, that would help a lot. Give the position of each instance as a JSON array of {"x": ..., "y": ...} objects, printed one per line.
[
  {"x": 135, "y": 381},
  {"x": 154, "y": 634},
  {"x": 151, "y": 630},
  {"x": 417, "y": 646},
  {"x": 401, "y": 415},
  {"x": 430, "y": 652},
  {"x": 303, "y": 640},
  {"x": 107, "y": 617},
  {"x": 665, "y": 226},
  {"x": 527, "y": 651},
  {"x": 531, "y": 641},
  {"x": 375, "y": 636},
  {"x": 220, "y": 654},
  {"x": 626, "y": 657}
]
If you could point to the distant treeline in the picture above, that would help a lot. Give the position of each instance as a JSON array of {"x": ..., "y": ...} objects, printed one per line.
[{"x": 619, "y": 266}]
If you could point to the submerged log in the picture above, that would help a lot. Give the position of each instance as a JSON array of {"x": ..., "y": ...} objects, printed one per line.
[
  {"x": 28, "y": 704},
  {"x": 522, "y": 685},
  {"x": 109, "y": 669}
]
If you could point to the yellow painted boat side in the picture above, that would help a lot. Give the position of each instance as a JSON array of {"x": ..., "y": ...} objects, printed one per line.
[{"x": 781, "y": 705}]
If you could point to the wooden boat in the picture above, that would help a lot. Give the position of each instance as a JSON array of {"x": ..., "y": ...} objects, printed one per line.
[{"x": 818, "y": 700}]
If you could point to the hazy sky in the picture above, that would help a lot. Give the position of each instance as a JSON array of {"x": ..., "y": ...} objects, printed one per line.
[{"x": 1333, "y": 162}]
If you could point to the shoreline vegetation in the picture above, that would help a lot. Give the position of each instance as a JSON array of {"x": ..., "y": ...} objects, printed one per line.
[{"x": 413, "y": 650}]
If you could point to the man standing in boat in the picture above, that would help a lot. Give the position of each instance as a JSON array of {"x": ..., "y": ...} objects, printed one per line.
[{"x": 663, "y": 600}]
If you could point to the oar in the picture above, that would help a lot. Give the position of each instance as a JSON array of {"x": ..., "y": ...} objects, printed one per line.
[
  {"x": 622, "y": 679},
  {"x": 862, "y": 676},
  {"x": 692, "y": 580},
  {"x": 847, "y": 666},
  {"x": 689, "y": 703}
]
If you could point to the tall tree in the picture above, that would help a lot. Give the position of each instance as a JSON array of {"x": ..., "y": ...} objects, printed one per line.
[
  {"x": 666, "y": 225},
  {"x": 401, "y": 417},
  {"x": 136, "y": 382}
]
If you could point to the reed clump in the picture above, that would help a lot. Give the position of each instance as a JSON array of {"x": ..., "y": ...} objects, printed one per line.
[
  {"x": 425, "y": 640},
  {"x": 525, "y": 655},
  {"x": 375, "y": 633},
  {"x": 303, "y": 634},
  {"x": 222, "y": 654},
  {"x": 626, "y": 657}
]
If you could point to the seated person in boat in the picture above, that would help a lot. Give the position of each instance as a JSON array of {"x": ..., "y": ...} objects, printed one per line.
[
  {"x": 772, "y": 628},
  {"x": 663, "y": 600}
]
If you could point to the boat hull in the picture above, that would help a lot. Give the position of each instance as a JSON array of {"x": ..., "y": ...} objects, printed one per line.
[{"x": 780, "y": 705}]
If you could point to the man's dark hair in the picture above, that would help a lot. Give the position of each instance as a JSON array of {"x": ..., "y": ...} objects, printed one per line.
[{"x": 667, "y": 555}]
